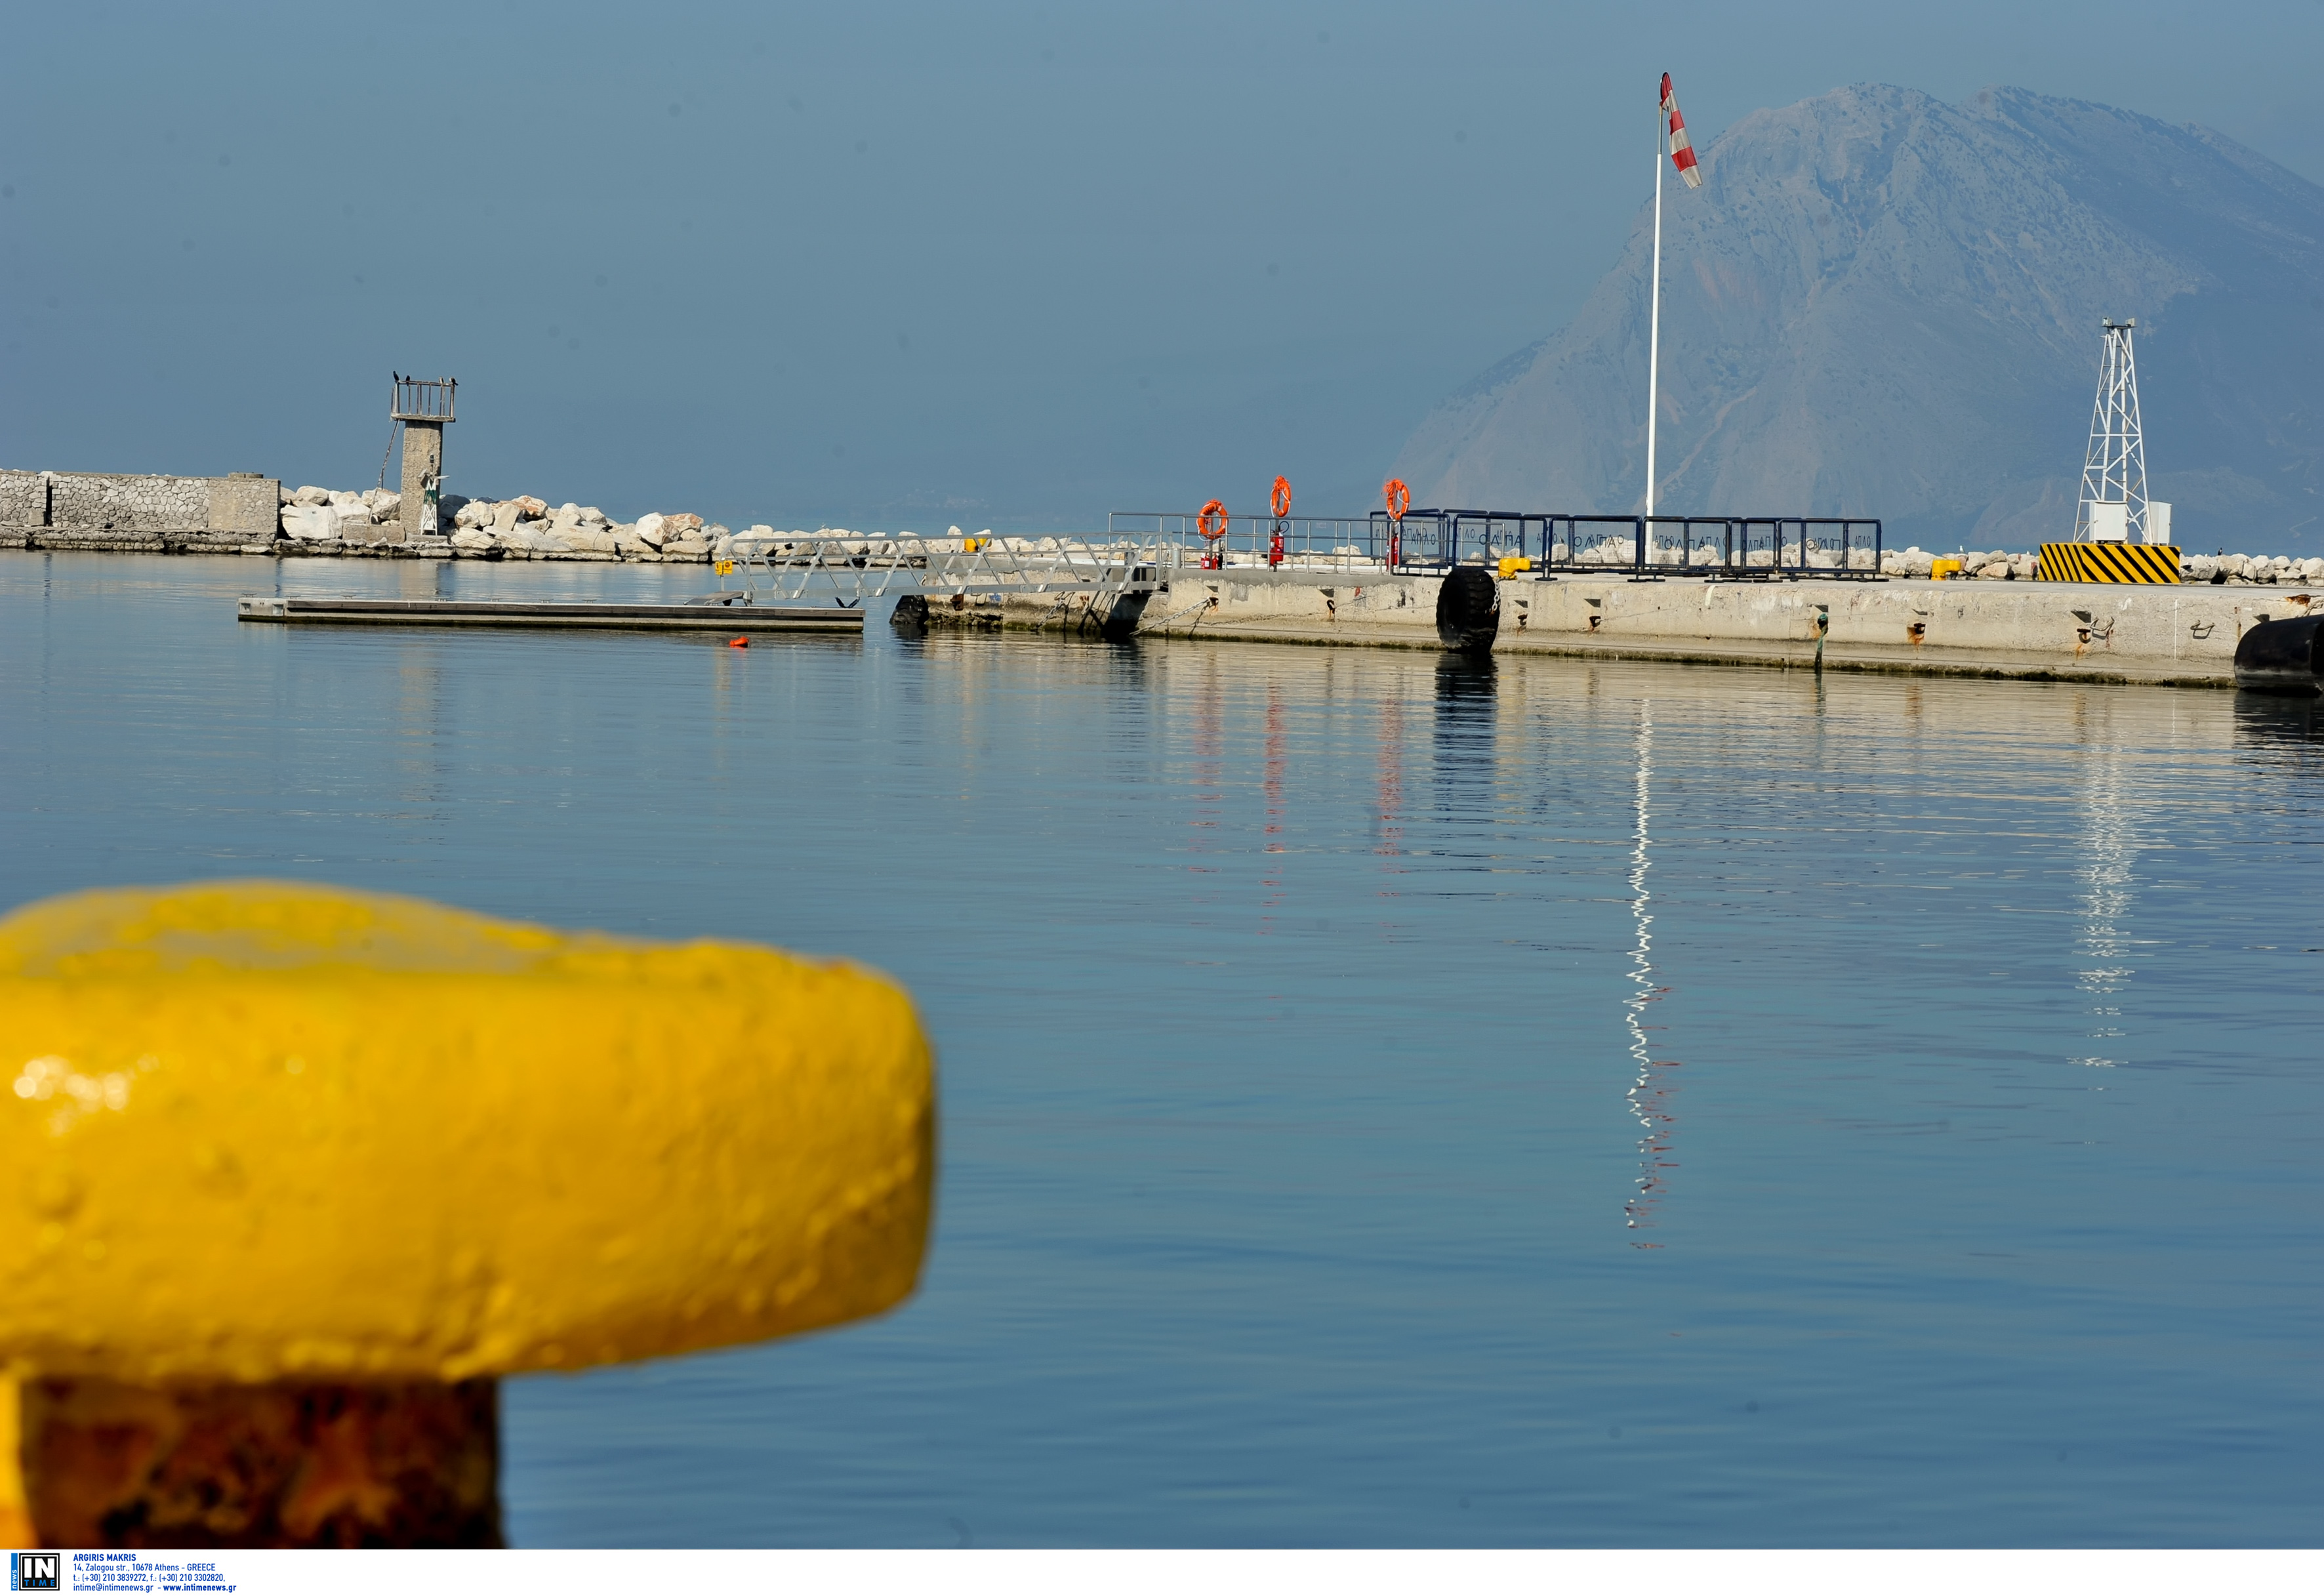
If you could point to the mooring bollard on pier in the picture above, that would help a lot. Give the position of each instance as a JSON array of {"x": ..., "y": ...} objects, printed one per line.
[{"x": 300, "y": 1174}]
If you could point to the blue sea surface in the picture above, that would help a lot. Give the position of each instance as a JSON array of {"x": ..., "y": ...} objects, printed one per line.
[{"x": 1386, "y": 1099}]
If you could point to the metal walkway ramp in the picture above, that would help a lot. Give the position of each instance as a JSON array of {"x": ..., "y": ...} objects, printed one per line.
[{"x": 792, "y": 568}]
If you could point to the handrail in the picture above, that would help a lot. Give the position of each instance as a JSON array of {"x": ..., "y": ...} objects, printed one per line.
[
  {"x": 422, "y": 399},
  {"x": 1741, "y": 547}
]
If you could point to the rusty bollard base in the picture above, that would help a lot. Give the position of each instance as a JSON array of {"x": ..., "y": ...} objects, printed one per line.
[{"x": 279, "y": 1465}]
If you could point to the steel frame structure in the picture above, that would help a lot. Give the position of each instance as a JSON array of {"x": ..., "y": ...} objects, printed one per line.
[{"x": 2114, "y": 470}]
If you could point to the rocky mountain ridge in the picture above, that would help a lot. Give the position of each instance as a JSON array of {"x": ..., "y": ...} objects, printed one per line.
[{"x": 1880, "y": 304}]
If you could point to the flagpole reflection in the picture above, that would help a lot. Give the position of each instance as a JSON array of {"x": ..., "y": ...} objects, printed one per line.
[{"x": 1652, "y": 1094}]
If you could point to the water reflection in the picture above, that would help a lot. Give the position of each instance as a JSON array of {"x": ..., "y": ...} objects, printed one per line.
[
  {"x": 2109, "y": 851},
  {"x": 421, "y": 789},
  {"x": 1652, "y": 1093},
  {"x": 2268, "y": 720},
  {"x": 1387, "y": 808},
  {"x": 1209, "y": 768},
  {"x": 1271, "y": 783},
  {"x": 1465, "y": 691}
]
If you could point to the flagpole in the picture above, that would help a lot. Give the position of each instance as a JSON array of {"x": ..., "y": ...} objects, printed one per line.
[{"x": 1654, "y": 333}]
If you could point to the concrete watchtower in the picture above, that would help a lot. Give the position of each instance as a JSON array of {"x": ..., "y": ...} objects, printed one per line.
[{"x": 424, "y": 409}]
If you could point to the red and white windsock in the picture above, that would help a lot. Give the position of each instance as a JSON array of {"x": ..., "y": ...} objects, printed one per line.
[{"x": 1682, "y": 149}]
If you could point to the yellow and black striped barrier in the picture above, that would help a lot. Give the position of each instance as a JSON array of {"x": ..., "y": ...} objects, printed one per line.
[{"x": 2149, "y": 563}]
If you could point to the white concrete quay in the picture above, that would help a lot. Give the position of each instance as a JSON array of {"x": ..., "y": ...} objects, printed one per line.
[{"x": 2183, "y": 634}]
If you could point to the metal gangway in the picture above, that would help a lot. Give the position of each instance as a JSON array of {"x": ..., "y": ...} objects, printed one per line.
[{"x": 849, "y": 568}]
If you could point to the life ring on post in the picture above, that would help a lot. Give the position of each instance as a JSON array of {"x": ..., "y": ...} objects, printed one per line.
[
  {"x": 1398, "y": 497},
  {"x": 1279, "y": 498},
  {"x": 1213, "y": 524}
]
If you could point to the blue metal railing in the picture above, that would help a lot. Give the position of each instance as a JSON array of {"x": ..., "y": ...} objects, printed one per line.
[{"x": 1726, "y": 546}]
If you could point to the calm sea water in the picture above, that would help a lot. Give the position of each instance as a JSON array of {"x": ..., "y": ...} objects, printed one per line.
[{"x": 1385, "y": 1100}]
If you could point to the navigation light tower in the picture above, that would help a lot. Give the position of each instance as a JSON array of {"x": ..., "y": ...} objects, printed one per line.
[{"x": 2114, "y": 505}]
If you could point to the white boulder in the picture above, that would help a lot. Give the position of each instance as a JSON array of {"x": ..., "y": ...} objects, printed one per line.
[{"x": 310, "y": 523}]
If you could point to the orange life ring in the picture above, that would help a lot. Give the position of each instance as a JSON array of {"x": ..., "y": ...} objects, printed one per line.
[
  {"x": 1278, "y": 499},
  {"x": 1398, "y": 497},
  {"x": 1212, "y": 522}
]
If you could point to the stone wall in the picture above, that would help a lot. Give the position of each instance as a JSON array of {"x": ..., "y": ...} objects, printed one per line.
[
  {"x": 247, "y": 504},
  {"x": 24, "y": 501},
  {"x": 153, "y": 514}
]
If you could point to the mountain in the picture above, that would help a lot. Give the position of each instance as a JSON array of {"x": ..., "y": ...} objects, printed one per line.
[{"x": 1879, "y": 304}]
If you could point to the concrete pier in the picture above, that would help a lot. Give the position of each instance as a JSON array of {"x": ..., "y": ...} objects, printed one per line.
[
  {"x": 2089, "y": 631},
  {"x": 2182, "y": 635}
]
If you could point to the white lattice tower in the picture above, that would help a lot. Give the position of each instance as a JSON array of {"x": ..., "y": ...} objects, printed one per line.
[{"x": 2115, "y": 471}]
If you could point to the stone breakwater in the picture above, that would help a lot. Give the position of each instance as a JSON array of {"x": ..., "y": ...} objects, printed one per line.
[
  {"x": 318, "y": 521},
  {"x": 2254, "y": 570},
  {"x": 250, "y": 513}
]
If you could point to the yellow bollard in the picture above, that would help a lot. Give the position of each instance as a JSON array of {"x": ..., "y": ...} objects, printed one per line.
[
  {"x": 1511, "y": 564},
  {"x": 299, "y": 1173}
]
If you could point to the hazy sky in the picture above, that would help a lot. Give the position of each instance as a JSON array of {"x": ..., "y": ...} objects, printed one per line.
[{"x": 901, "y": 265}]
